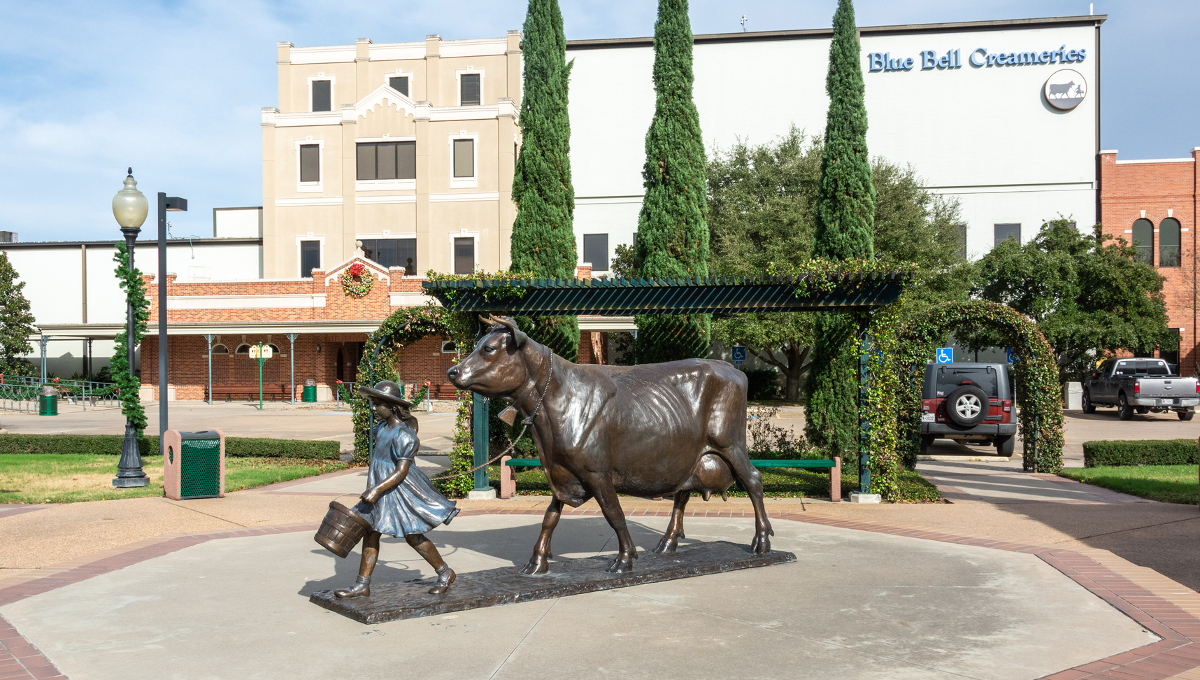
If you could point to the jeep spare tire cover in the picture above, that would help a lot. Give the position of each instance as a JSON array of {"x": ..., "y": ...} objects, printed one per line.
[{"x": 967, "y": 406}]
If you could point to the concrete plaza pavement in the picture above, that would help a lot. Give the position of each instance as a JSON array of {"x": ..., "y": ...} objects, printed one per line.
[{"x": 854, "y": 605}]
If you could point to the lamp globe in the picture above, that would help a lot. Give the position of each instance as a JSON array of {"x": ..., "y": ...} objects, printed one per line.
[{"x": 129, "y": 205}]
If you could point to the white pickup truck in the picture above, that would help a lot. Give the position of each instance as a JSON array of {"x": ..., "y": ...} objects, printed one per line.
[{"x": 1140, "y": 385}]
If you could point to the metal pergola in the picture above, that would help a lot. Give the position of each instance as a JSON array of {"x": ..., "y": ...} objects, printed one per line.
[{"x": 640, "y": 297}]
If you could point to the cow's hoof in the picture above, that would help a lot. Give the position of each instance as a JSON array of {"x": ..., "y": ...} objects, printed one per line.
[
  {"x": 667, "y": 545},
  {"x": 537, "y": 565},
  {"x": 761, "y": 543},
  {"x": 622, "y": 564}
]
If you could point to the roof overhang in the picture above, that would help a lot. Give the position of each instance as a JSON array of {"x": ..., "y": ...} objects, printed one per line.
[{"x": 84, "y": 331}]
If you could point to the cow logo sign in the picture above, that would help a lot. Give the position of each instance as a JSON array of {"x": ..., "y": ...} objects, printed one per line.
[{"x": 1065, "y": 89}]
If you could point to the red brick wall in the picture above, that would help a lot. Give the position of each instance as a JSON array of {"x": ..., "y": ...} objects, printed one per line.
[{"x": 1161, "y": 190}]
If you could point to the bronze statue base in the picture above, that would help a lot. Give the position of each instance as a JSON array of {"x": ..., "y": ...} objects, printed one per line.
[{"x": 493, "y": 587}]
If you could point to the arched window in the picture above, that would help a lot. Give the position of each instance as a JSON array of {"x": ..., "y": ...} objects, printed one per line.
[
  {"x": 1143, "y": 240},
  {"x": 243, "y": 349},
  {"x": 1168, "y": 239},
  {"x": 275, "y": 350},
  {"x": 220, "y": 349}
]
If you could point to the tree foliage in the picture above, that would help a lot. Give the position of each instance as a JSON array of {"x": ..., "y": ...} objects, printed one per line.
[
  {"x": 845, "y": 217},
  {"x": 672, "y": 236},
  {"x": 16, "y": 322},
  {"x": 762, "y": 212},
  {"x": 1088, "y": 294},
  {"x": 127, "y": 384},
  {"x": 846, "y": 198},
  {"x": 543, "y": 239}
]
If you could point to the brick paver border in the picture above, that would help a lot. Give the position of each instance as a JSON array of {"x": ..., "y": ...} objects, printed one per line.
[{"x": 1178, "y": 652}]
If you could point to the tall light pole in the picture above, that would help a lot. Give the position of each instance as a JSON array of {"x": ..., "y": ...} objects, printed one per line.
[
  {"x": 130, "y": 208},
  {"x": 172, "y": 204}
]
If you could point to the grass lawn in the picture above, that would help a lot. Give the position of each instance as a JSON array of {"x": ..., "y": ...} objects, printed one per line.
[
  {"x": 70, "y": 478},
  {"x": 777, "y": 483},
  {"x": 1166, "y": 483}
]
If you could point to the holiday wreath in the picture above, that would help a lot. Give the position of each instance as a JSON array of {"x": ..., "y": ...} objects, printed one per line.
[{"x": 356, "y": 280}]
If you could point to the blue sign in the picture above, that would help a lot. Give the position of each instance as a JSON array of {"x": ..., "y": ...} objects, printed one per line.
[
  {"x": 739, "y": 354},
  {"x": 945, "y": 355},
  {"x": 1012, "y": 358}
]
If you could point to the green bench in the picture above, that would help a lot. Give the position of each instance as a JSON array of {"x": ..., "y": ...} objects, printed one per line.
[{"x": 508, "y": 483}]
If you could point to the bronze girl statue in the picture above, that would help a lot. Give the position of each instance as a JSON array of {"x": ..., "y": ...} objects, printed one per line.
[{"x": 399, "y": 500}]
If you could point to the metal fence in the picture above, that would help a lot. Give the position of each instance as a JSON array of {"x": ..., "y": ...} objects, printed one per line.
[
  {"x": 21, "y": 393},
  {"x": 338, "y": 396}
]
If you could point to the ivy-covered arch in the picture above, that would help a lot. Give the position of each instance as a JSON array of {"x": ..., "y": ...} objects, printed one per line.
[
  {"x": 405, "y": 327},
  {"x": 1035, "y": 375}
]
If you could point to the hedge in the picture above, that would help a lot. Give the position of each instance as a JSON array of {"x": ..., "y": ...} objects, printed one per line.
[
  {"x": 1145, "y": 452},
  {"x": 110, "y": 444}
]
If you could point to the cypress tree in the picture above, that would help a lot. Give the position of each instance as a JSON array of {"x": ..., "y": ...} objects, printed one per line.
[
  {"x": 672, "y": 239},
  {"x": 845, "y": 217},
  {"x": 543, "y": 240},
  {"x": 845, "y": 198},
  {"x": 16, "y": 322}
]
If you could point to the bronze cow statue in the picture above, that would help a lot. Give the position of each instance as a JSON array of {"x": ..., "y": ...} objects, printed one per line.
[{"x": 653, "y": 430}]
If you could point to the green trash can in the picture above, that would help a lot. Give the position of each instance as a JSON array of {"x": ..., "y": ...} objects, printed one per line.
[
  {"x": 309, "y": 395},
  {"x": 48, "y": 401}
]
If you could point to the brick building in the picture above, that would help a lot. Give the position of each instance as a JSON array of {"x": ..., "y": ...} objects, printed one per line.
[
  {"x": 313, "y": 322},
  {"x": 1152, "y": 204}
]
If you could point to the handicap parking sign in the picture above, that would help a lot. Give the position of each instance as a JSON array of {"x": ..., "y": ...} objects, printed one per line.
[
  {"x": 739, "y": 354},
  {"x": 945, "y": 355}
]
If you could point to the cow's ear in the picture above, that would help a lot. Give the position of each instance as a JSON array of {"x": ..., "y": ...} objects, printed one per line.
[{"x": 519, "y": 337}]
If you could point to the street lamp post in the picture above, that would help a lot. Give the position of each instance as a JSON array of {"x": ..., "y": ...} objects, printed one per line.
[
  {"x": 130, "y": 208},
  {"x": 173, "y": 204},
  {"x": 260, "y": 352}
]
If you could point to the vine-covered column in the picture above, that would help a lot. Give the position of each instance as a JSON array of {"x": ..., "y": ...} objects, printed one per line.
[{"x": 864, "y": 421}]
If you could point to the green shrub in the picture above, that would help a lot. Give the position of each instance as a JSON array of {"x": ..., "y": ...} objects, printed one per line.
[
  {"x": 1146, "y": 452},
  {"x": 110, "y": 444}
]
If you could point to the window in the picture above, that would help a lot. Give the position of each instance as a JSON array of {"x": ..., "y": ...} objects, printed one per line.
[
  {"x": 322, "y": 95},
  {"x": 393, "y": 252},
  {"x": 1168, "y": 239},
  {"x": 243, "y": 349},
  {"x": 310, "y": 258},
  {"x": 986, "y": 378},
  {"x": 448, "y": 347},
  {"x": 464, "y": 158},
  {"x": 1007, "y": 231},
  {"x": 469, "y": 94},
  {"x": 399, "y": 84},
  {"x": 1143, "y": 240},
  {"x": 595, "y": 250},
  {"x": 464, "y": 255},
  {"x": 310, "y": 163},
  {"x": 220, "y": 349},
  {"x": 387, "y": 160},
  {"x": 275, "y": 350}
]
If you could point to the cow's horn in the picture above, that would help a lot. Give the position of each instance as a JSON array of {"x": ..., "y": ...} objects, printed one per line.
[{"x": 519, "y": 336}]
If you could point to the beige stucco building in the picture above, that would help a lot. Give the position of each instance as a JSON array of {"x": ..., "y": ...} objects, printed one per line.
[{"x": 407, "y": 147}]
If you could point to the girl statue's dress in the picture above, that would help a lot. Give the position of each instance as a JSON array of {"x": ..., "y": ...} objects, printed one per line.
[{"x": 413, "y": 506}]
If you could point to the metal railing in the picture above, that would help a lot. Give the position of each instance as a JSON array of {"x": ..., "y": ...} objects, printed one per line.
[
  {"x": 20, "y": 393},
  {"x": 337, "y": 393}
]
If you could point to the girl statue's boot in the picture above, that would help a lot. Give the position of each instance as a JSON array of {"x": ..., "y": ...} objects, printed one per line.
[
  {"x": 361, "y": 588},
  {"x": 445, "y": 578}
]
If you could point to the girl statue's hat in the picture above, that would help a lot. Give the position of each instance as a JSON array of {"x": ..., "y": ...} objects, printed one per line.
[{"x": 385, "y": 391}]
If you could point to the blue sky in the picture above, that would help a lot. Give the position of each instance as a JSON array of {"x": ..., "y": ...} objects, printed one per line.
[{"x": 174, "y": 88}]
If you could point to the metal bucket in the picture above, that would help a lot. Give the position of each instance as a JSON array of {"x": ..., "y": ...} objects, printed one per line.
[{"x": 341, "y": 529}]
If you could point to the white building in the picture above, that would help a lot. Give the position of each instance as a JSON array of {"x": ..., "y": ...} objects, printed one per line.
[
  {"x": 72, "y": 285},
  {"x": 963, "y": 103}
]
